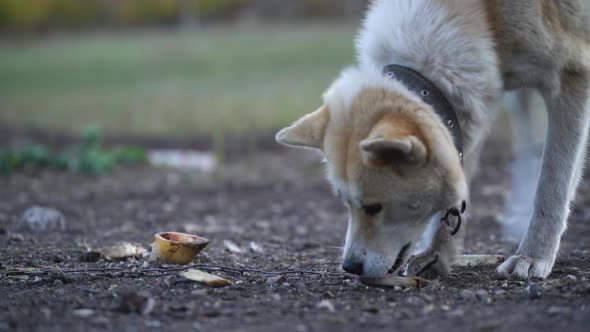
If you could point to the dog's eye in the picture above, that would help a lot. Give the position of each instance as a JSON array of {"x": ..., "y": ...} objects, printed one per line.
[{"x": 372, "y": 209}]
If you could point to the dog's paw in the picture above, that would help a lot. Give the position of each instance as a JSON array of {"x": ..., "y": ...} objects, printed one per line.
[
  {"x": 428, "y": 265},
  {"x": 524, "y": 267}
]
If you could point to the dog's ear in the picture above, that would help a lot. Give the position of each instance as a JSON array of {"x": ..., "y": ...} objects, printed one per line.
[
  {"x": 308, "y": 131},
  {"x": 406, "y": 150}
]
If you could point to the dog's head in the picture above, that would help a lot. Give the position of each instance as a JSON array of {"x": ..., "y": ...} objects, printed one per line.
[{"x": 391, "y": 161}]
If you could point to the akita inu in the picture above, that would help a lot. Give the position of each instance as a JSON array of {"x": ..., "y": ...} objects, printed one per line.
[{"x": 402, "y": 130}]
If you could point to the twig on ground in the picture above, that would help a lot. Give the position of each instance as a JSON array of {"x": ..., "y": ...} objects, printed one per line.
[{"x": 158, "y": 272}]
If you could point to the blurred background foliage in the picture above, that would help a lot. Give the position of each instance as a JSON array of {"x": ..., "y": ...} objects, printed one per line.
[
  {"x": 89, "y": 156},
  {"x": 170, "y": 67},
  {"x": 42, "y": 15},
  {"x": 211, "y": 69}
]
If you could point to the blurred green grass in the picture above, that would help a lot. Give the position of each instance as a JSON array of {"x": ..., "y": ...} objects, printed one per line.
[{"x": 196, "y": 82}]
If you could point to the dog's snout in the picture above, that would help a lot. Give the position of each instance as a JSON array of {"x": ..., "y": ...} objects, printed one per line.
[{"x": 353, "y": 267}]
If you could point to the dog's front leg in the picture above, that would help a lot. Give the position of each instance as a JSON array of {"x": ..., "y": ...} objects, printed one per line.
[
  {"x": 563, "y": 157},
  {"x": 435, "y": 260}
]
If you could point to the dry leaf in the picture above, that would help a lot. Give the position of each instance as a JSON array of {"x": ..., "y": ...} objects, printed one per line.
[
  {"x": 123, "y": 250},
  {"x": 205, "y": 278},
  {"x": 391, "y": 281},
  {"x": 476, "y": 260},
  {"x": 326, "y": 304}
]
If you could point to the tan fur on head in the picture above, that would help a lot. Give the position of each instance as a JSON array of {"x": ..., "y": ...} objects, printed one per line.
[{"x": 395, "y": 139}]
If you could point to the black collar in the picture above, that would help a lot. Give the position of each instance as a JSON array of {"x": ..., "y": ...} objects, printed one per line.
[{"x": 430, "y": 94}]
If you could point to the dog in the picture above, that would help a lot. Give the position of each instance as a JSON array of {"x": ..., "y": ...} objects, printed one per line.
[{"x": 402, "y": 130}]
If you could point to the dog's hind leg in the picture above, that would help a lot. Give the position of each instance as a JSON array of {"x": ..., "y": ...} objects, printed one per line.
[
  {"x": 523, "y": 108},
  {"x": 563, "y": 158}
]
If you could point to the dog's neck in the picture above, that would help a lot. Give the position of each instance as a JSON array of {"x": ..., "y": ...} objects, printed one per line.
[
  {"x": 431, "y": 95},
  {"x": 451, "y": 46}
]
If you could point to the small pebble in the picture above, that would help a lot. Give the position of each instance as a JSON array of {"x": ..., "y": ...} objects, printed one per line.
[
  {"x": 83, "y": 313},
  {"x": 59, "y": 275},
  {"x": 467, "y": 295},
  {"x": 457, "y": 313},
  {"x": 137, "y": 302},
  {"x": 414, "y": 300},
  {"x": 232, "y": 247},
  {"x": 301, "y": 328},
  {"x": 100, "y": 321},
  {"x": 371, "y": 310},
  {"x": 583, "y": 288},
  {"x": 534, "y": 291},
  {"x": 46, "y": 312},
  {"x": 15, "y": 237},
  {"x": 42, "y": 219},
  {"x": 256, "y": 248},
  {"x": 556, "y": 283},
  {"x": 90, "y": 257},
  {"x": 428, "y": 309},
  {"x": 153, "y": 323},
  {"x": 199, "y": 292},
  {"x": 327, "y": 305},
  {"x": 571, "y": 278},
  {"x": 554, "y": 310},
  {"x": 276, "y": 280},
  {"x": 58, "y": 259},
  {"x": 483, "y": 296}
]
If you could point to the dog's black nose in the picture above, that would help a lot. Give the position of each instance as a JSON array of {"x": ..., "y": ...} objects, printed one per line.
[{"x": 353, "y": 267}]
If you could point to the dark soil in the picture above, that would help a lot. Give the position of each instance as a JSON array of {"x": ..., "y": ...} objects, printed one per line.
[{"x": 278, "y": 199}]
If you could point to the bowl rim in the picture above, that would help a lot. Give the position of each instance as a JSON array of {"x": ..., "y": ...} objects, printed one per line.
[{"x": 197, "y": 240}]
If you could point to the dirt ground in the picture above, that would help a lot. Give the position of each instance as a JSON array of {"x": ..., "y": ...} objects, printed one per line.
[{"x": 278, "y": 199}]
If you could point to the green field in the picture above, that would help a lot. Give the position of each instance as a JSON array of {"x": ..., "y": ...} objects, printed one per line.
[{"x": 170, "y": 82}]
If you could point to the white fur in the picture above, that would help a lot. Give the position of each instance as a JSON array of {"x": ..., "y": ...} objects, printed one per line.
[
  {"x": 352, "y": 81},
  {"x": 445, "y": 40}
]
